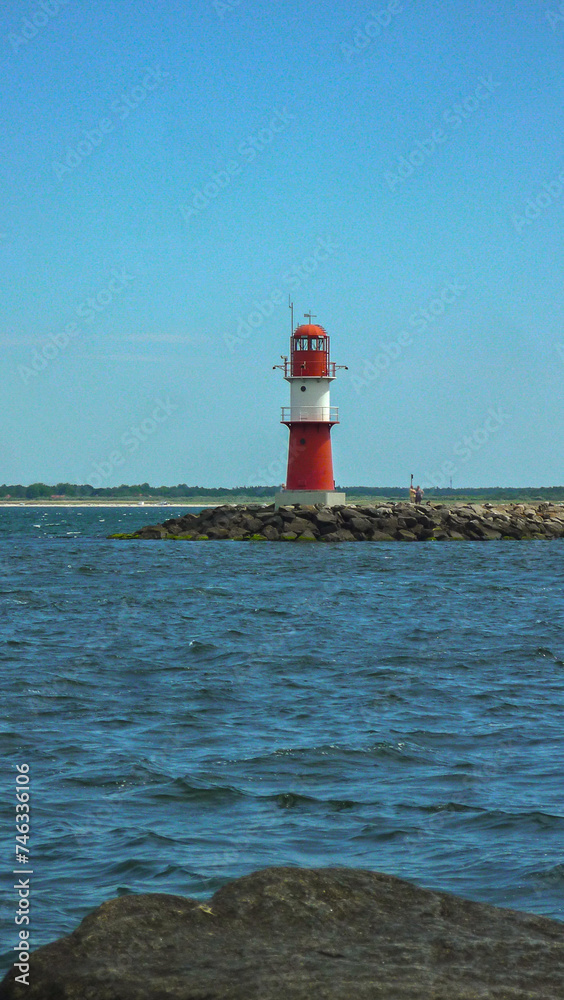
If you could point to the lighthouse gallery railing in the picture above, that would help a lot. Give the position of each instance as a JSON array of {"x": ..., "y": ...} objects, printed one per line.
[
  {"x": 324, "y": 368},
  {"x": 317, "y": 414}
]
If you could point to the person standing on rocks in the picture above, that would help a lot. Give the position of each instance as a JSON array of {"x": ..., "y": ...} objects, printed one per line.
[
  {"x": 418, "y": 494},
  {"x": 412, "y": 493}
]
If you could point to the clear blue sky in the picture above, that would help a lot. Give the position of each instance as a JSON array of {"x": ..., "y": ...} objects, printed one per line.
[{"x": 168, "y": 166}]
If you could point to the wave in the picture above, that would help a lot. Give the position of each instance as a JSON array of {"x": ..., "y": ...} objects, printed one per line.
[
  {"x": 554, "y": 875},
  {"x": 193, "y": 790},
  {"x": 534, "y": 820},
  {"x": 547, "y": 653}
]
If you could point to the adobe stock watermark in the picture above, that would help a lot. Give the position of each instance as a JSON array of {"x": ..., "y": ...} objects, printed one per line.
[
  {"x": 455, "y": 116},
  {"x": 223, "y": 7},
  {"x": 119, "y": 110},
  {"x": 376, "y": 22},
  {"x": 555, "y": 17},
  {"x": 97, "y": 822},
  {"x": 130, "y": 441},
  {"x": 275, "y": 471},
  {"x": 291, "y": 281},
  {"x": 464, "y": 449},
  {"x": 88, "y": 311},
  {"x": 549, "y": 193},
  {"x": 419, "y": 322},
  {"x": 33, "y": 23},
  {"x": 247, "y": 151}
]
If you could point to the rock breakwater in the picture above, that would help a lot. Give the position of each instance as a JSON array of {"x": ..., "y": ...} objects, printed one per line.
[
  {"x": 297, "y": 934},
  {"x": 383, "y": 522}
]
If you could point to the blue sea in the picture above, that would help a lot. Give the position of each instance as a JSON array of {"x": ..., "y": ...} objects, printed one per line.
[{"x": 191, "y": 712}]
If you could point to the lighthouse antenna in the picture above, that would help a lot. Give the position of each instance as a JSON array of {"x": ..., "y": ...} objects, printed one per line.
[
  {"x": 291, "y": 308},
  {"x": 310, "y": 316}
]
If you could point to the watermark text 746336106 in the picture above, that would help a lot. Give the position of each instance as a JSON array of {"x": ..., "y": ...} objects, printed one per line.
[{"x": 23, "y": 885}]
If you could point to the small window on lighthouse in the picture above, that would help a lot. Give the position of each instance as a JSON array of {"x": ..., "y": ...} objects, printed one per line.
[{"x": 302, "y": 388}]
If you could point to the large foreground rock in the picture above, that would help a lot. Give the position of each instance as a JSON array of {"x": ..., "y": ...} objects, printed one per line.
[{"x": 302, "y": 934}]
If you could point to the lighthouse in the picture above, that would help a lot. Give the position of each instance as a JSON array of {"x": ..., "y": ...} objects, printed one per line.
[{"x": 309, "y": 418}]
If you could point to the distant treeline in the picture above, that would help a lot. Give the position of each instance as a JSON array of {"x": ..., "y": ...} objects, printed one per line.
[
  {"x": 142, "y": 490},
  {"x": 509, "y": 493},
  {"x": 84, "y": 490}
]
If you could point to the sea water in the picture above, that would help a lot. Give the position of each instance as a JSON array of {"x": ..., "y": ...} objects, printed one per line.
[{"x": 191, "y": 712}]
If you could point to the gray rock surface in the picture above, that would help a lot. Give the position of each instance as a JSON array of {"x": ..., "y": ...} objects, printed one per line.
[
  {"x": 301, "y": 934},
  {"x": 378, "y": 522}
]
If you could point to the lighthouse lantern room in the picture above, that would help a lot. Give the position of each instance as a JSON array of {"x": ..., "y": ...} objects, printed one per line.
[{"x": 309, "y": 418}]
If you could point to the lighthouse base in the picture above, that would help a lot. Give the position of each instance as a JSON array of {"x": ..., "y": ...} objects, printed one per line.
[{"x": 329, "y": 498}]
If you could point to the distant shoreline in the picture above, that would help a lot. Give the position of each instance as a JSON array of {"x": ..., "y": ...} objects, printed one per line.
[
  {"x": 75, "y": 495},
  {"x": 101, "y": 503}
]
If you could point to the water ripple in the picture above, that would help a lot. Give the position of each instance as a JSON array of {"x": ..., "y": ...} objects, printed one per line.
[{"x": 193, "y": 712}]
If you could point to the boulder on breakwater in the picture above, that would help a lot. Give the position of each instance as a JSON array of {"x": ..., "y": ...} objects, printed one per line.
[
  {"x": 296, "y": 934},
  {"x": 380, "y": 522}
]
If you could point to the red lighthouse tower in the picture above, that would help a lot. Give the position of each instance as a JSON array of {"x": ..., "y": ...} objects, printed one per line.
[{"x": 309, "y": 418}]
